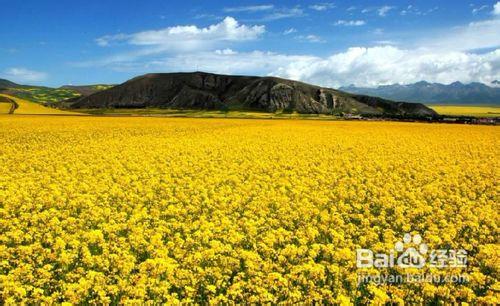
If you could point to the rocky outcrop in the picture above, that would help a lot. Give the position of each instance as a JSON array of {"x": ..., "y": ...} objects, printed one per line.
[{"x": 212, "y": 91}]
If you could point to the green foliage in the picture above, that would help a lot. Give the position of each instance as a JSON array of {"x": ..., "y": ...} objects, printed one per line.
[
  {"x": 47, "y": 95},
  {"x": 101, "y": 87},
  {"x": 43, "y": 94}
]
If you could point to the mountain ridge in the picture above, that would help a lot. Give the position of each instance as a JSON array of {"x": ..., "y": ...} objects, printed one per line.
[
  {"x": 434, "y": 93},
  {"x": 201, "y": 90},
  {"x": 4, "y": 83}
]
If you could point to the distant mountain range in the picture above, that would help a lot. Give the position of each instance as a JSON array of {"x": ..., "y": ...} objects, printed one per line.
[
  {"x": 200, "y": 90},
  {"x": 435, "y": 93}
]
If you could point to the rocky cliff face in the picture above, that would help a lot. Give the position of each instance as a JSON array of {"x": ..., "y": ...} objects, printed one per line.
[{"x": 211, "y": 91}]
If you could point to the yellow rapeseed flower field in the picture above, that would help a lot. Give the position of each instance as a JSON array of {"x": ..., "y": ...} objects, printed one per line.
[
  {"x": 4, "y": 107},
  {"x": 31, "y": 108},
  {"x": 467, "y": 110},
  {"x": 98, "y": 210}
]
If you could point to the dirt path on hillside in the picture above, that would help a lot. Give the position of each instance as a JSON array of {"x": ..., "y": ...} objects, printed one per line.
[{"x": 13, "y": 104}]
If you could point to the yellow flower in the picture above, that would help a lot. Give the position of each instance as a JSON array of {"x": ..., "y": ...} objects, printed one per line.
[{"x": 100, "y": 210}]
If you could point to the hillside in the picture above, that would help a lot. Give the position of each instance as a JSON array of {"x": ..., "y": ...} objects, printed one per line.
[
  {"x": 86, "y": 90},
  {"x": 434, "y": 93},
  {"x": 201, "y": 90},
  {"x": 24, "y": 107},
  {"x": 48, "y": 95},
  {"x": 8, "y": 84}
]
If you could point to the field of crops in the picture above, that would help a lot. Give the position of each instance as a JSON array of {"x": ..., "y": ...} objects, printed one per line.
[
  {"x": 31, "y": 108},
  {"x": 4, "y": 107},
  {"x": 467, "y": 110},
  {"x": 43, "y": 94},
  {"x": 98, "y": 210}
]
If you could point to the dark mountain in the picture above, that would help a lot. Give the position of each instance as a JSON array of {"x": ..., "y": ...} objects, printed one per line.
[
  {"x": 496, "y": 83},
  {"x": 201, "y": 90},
  {"x": 434, "y": 93},
  {"x": 8, "y": 84}
]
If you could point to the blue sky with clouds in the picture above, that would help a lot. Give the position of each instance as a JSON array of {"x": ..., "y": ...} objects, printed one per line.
[{"x": 331, "y": 43}]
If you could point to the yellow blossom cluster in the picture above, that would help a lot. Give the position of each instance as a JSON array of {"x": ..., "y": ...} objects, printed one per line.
[{"x": 102, "y": 210}]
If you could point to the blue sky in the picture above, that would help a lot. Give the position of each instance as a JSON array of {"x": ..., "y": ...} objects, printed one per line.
[{"x": 331, "y": 43}]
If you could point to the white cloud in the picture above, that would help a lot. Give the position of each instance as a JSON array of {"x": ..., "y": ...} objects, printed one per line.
[
  {"x": 350, "y": 22},
  {"x": 384, "y": 10},
  {"x": 445, "y": 56},
  {"x": 208, "y": 16},
  {"x": 322, "y": 6},
  {"x": 283, "y": 13},
  {"x": 289, "y": 31},
  {"x": 250, "y": 63},
  {"x": 413, "y": 10},
  {"x": 360, "y": 66},
  {"x": 19, "y": 74},
  {"x": 409, "y": 10},
  {"x": 105, "y": 41},
  {"x": 385, "y": 42},
  {"x": 189, "y": 37},
  {"x": 226, "y": 51},
  {"x": 250, "y": 8},
  {"x": 432, "y": 10},
  {"x": 388, "y": 65},
  {"x": 473, "y": 36},
  {"x": 269, "y": 12},
  {"x": 496, "y": 8},
  {"x": 310, "y": 38},
  {"x": 479, "y": 9}
]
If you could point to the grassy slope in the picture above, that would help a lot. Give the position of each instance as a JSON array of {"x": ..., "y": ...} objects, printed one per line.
[
  {"x": 31, "y": 108},
  {"x": 42, "y": 94},
  {"x": 51, "y": 95},
  {"x": 467, "y": 110}
]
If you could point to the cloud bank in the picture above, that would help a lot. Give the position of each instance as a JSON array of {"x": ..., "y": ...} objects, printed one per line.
[
  {"x": 358, "y": 65},
  {"x": 496, "y": 9},
  {"x": 387, "y": 65},
  {"x": 189, "y": 37},
  {"x": 21, "y": 75},
  {"x": 443, "y": 59}
]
